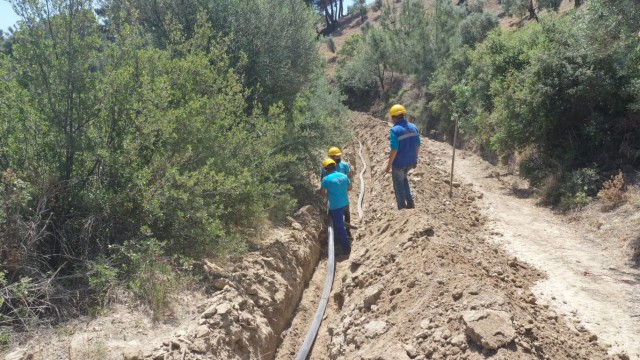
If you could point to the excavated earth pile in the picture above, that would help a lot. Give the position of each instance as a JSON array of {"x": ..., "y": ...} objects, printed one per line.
[
  {"x": 424, "y": 284},
  {"x": 245, "y": 318}
]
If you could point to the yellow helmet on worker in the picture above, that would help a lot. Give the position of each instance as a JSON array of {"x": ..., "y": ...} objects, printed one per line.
[
  {"x": 335, "y": 151},
  {"x": 328, "y": 162},
  {"x": 397, "y": 110}
]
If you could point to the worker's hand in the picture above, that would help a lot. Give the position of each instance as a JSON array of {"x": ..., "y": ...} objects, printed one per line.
[
  {"x": 388, "y": 169},
  {"x": 414, "y": 165}
]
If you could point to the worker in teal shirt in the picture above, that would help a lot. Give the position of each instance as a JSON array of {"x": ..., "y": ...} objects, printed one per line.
[
  {"x": 405, "y": 143},
  {"x": 336, "y": 186},
  {"x": 342, "y": 167}
]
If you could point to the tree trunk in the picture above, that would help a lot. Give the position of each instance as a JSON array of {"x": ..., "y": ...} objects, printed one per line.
[
  {"x": 532, "y": 11},
  {"x": 341, "y": 9},
  {"x": 578, "y": 3},
  {"x": 327, "y": 17}
]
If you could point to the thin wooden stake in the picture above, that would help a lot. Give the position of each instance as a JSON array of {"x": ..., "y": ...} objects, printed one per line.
[{"x": 453, "y": 157}]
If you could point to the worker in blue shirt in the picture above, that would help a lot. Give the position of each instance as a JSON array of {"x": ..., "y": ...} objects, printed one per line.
[
  {"x": 342, "y": 167},
  {"x": 405, "y": 143},
  {"x": 336, "y": 187}
]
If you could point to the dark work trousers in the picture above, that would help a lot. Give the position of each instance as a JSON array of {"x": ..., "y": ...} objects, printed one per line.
[
  {"x": 347, "y": 218},
  {"x": 339, "y": 231}
]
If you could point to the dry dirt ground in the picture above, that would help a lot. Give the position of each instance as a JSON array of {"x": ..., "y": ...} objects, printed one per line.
[
  {"x": 588, "y": 278},
  {"x": 463, "y": 277}
]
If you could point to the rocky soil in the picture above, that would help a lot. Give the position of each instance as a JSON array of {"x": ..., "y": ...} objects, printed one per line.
[{"x": 428, "y": 283}]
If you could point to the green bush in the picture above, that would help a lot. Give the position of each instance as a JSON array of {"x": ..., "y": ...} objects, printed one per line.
[
  {"x": 331, "y": 45},
  {"x": 377, "y": 5},
  {"x": 145, "y": 142},
  {"x": 151, "y": 276},
  {"x": 5, "y": 339}
]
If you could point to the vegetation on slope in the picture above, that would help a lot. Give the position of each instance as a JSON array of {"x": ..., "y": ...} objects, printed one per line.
[
  {"x": 143, "y": 136},
  {"x": 561, "y": 93}
]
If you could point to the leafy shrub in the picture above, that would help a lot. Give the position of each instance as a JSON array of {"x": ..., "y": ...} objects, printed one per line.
[
  {"x": 331, "y": 45},
  {"x": 366, "y": 26},
  {"x": 5, "y": 339},
  {"x": 357, "y": 79},
  {"x": 584, "y": 181},
  {"x": 377, "y": 5},
  {"x": 612, "y": 193},
  {"x": 151, "y": 277},
  {"x": 165, "y": 154},
  {"x": 103, "y": 280},
  {"x": 573, "y": 201}
]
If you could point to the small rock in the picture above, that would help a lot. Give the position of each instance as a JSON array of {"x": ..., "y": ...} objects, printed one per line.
[
  {"x": 425, "y": 324},
  {"x": 211, "y": 310},
  {"x": 457, "y": 295},
  {"x": 223, "y": 309},
  {"x": 593, "y": 337},
  {"x": 199, "y": 346},
  {"x": 132, "y": 352},
  {"x": 201, "y": 331},
  {"x": 411, "y": 351},
  {"x": 491, "y": 329},
  {"x": 371, "y": 295},
  {"x": 375, "y": 328},
  {"x": 458, "y": 340},
  {"x": 19, "y": 355}
]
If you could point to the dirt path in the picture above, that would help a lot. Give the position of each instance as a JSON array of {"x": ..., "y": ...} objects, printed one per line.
[{"x": 606, "y": 303}]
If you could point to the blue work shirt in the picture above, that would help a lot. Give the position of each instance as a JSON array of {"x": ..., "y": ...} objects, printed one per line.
[
  {"x": 405, "y": 139},
  {"x": 337, "y": 186},
  {"x": 342, "y": 167}
]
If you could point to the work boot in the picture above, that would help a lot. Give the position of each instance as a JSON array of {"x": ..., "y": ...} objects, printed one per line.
[{"x": 410, "y": 204}]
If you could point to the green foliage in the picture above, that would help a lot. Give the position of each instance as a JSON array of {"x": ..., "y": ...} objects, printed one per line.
[
  {"x": 151, "y": 275},
  {"x": 144, "y": 141},
  {"x": 475, "y": 27},
  {"x": 561, "y": 92},
  {"x": 102, "y": 279},
  {"x": 358, "y": 78},
  {"x": 410, "y": 40},
  {"x": 272, "y": 43},
  {"x": 5, "y": 339},
  {"x": 331, "y": 45},
  {"x": 528, "y": 7},
  {"x": 377, "y": 5}
]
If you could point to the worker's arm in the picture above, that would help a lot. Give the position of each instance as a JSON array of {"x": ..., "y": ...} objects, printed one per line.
[
  {"x": 395, "y": 144},
  {"x": 322, "y": 192},
  {"x": 392, "y": 156}
]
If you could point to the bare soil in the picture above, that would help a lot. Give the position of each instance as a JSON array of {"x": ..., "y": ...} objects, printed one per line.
[{"x": 414, "y": 275}]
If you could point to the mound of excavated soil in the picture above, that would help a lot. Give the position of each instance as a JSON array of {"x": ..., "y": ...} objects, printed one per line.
[{"x": 424, "y": 284}]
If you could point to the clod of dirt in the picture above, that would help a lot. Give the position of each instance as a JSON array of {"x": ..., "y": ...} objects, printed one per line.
[{"x": 489, "y": 328}]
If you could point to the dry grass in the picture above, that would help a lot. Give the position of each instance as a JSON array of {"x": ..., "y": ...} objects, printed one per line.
[{"x": 612, "y": 194}]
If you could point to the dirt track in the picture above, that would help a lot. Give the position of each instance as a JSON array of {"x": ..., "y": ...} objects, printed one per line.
[
  {"x": 416, "y": 278},
  {"x": 586, "y": 281}
]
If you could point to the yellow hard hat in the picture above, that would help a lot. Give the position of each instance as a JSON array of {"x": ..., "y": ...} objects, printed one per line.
[
  {"x": 334, "y": 151},
  {"x": 396, "y": 110},
  {"x": 328, "y": 162}
]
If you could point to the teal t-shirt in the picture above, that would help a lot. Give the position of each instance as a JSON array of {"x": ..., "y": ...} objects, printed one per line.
[
  {"x": 337, "y": 186},
  {"x": 342, "y": 167}
]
